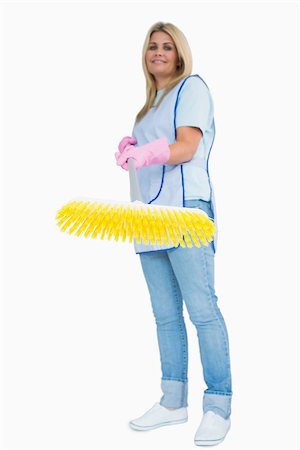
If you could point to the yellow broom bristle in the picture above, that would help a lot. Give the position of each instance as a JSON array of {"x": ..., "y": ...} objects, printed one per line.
[
  {"x": 204, "y": 228},
  {"x": 184, "y": 232},
  {"x": 99, "y": 220},
  {"x": 152, "y": 229},
  {"x": 75, "y": 211},
  {"x": 171, "y": 226},
  {"x": 183, "y": 224},
  {"x": 144, "y": 223},
  {"x": 82, "y": 224},
  {"x": 182, "y": 228},
  {"x": 195, "y": 226}
]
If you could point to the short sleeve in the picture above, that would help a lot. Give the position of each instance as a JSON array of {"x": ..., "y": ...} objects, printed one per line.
[{"x": 195, "y": 106}]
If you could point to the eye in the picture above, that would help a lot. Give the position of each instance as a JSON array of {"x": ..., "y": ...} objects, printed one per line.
[{"x": 153, "y": 47}]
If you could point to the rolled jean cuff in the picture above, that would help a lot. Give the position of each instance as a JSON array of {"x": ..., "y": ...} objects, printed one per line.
[
  {"x": 218, "y": 403},
  {"x": 175, "y": 393}
]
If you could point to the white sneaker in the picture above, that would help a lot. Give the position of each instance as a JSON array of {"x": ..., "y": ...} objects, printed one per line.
[
  {"x": 212, "y": 429},
  {"x": 159, "y": 416}
]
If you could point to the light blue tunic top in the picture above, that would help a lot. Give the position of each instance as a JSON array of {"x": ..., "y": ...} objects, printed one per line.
[{"x": 189, "y": 103}]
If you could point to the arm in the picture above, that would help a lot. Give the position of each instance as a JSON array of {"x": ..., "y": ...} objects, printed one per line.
[
  {"x": 186, "y": 144},
  {"x": 160, "y": 152},
  {"x": 194, "y": 115}
]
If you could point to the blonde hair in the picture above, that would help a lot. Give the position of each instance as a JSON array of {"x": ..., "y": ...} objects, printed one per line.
[{"x": 183, "y": 70}]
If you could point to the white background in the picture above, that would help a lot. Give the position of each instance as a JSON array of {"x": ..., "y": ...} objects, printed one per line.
[{"x": 80, "y": 355}]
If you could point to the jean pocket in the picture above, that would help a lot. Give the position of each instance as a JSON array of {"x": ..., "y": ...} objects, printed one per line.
[{"x": 200, "y": 204}]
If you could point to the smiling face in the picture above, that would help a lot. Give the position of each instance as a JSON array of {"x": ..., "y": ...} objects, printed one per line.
[{"x": 161, "y": 58}]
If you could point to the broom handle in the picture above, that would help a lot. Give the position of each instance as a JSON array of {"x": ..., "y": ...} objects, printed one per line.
[{"x": 135, "y": 193}]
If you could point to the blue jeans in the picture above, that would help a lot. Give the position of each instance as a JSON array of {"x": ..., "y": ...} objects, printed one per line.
[{"x": 187, "y": 274}]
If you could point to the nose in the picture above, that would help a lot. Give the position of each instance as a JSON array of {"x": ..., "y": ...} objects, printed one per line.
[{"x": 158, "y": 52}]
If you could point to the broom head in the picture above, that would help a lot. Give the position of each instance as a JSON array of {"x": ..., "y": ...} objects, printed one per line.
[{"x": 146, "y": 223}]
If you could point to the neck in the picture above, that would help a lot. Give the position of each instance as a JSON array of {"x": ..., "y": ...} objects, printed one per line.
[{"x": 162, "y": 82}]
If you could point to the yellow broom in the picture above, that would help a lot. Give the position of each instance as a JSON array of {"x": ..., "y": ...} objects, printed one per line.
[{"x": 146, "y": 223}]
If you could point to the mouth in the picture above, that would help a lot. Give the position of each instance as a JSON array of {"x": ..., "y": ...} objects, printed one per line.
[{"x": 158, "y": 61}]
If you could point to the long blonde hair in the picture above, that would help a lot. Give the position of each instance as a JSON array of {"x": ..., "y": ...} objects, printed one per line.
[{"x": 183, "y": 70}]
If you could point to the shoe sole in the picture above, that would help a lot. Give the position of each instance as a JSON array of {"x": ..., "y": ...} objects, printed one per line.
[
  {"x": 152, "y": 427},
  {"x": 211, "y": 443}
]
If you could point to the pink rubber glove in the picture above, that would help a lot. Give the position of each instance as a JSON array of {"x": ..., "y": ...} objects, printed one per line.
[
  {"x": 125, "y": 141},
  {"x": 156, "y": 152}
]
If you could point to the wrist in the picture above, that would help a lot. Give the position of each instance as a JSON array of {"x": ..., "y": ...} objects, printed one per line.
[{"x": 159, "y": 151}]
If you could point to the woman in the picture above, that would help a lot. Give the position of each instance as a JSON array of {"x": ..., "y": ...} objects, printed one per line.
[{"x": 170, "y": 145}]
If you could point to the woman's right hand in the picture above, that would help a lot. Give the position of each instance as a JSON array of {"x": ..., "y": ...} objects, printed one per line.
[{"x": 127, "y": 140}]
